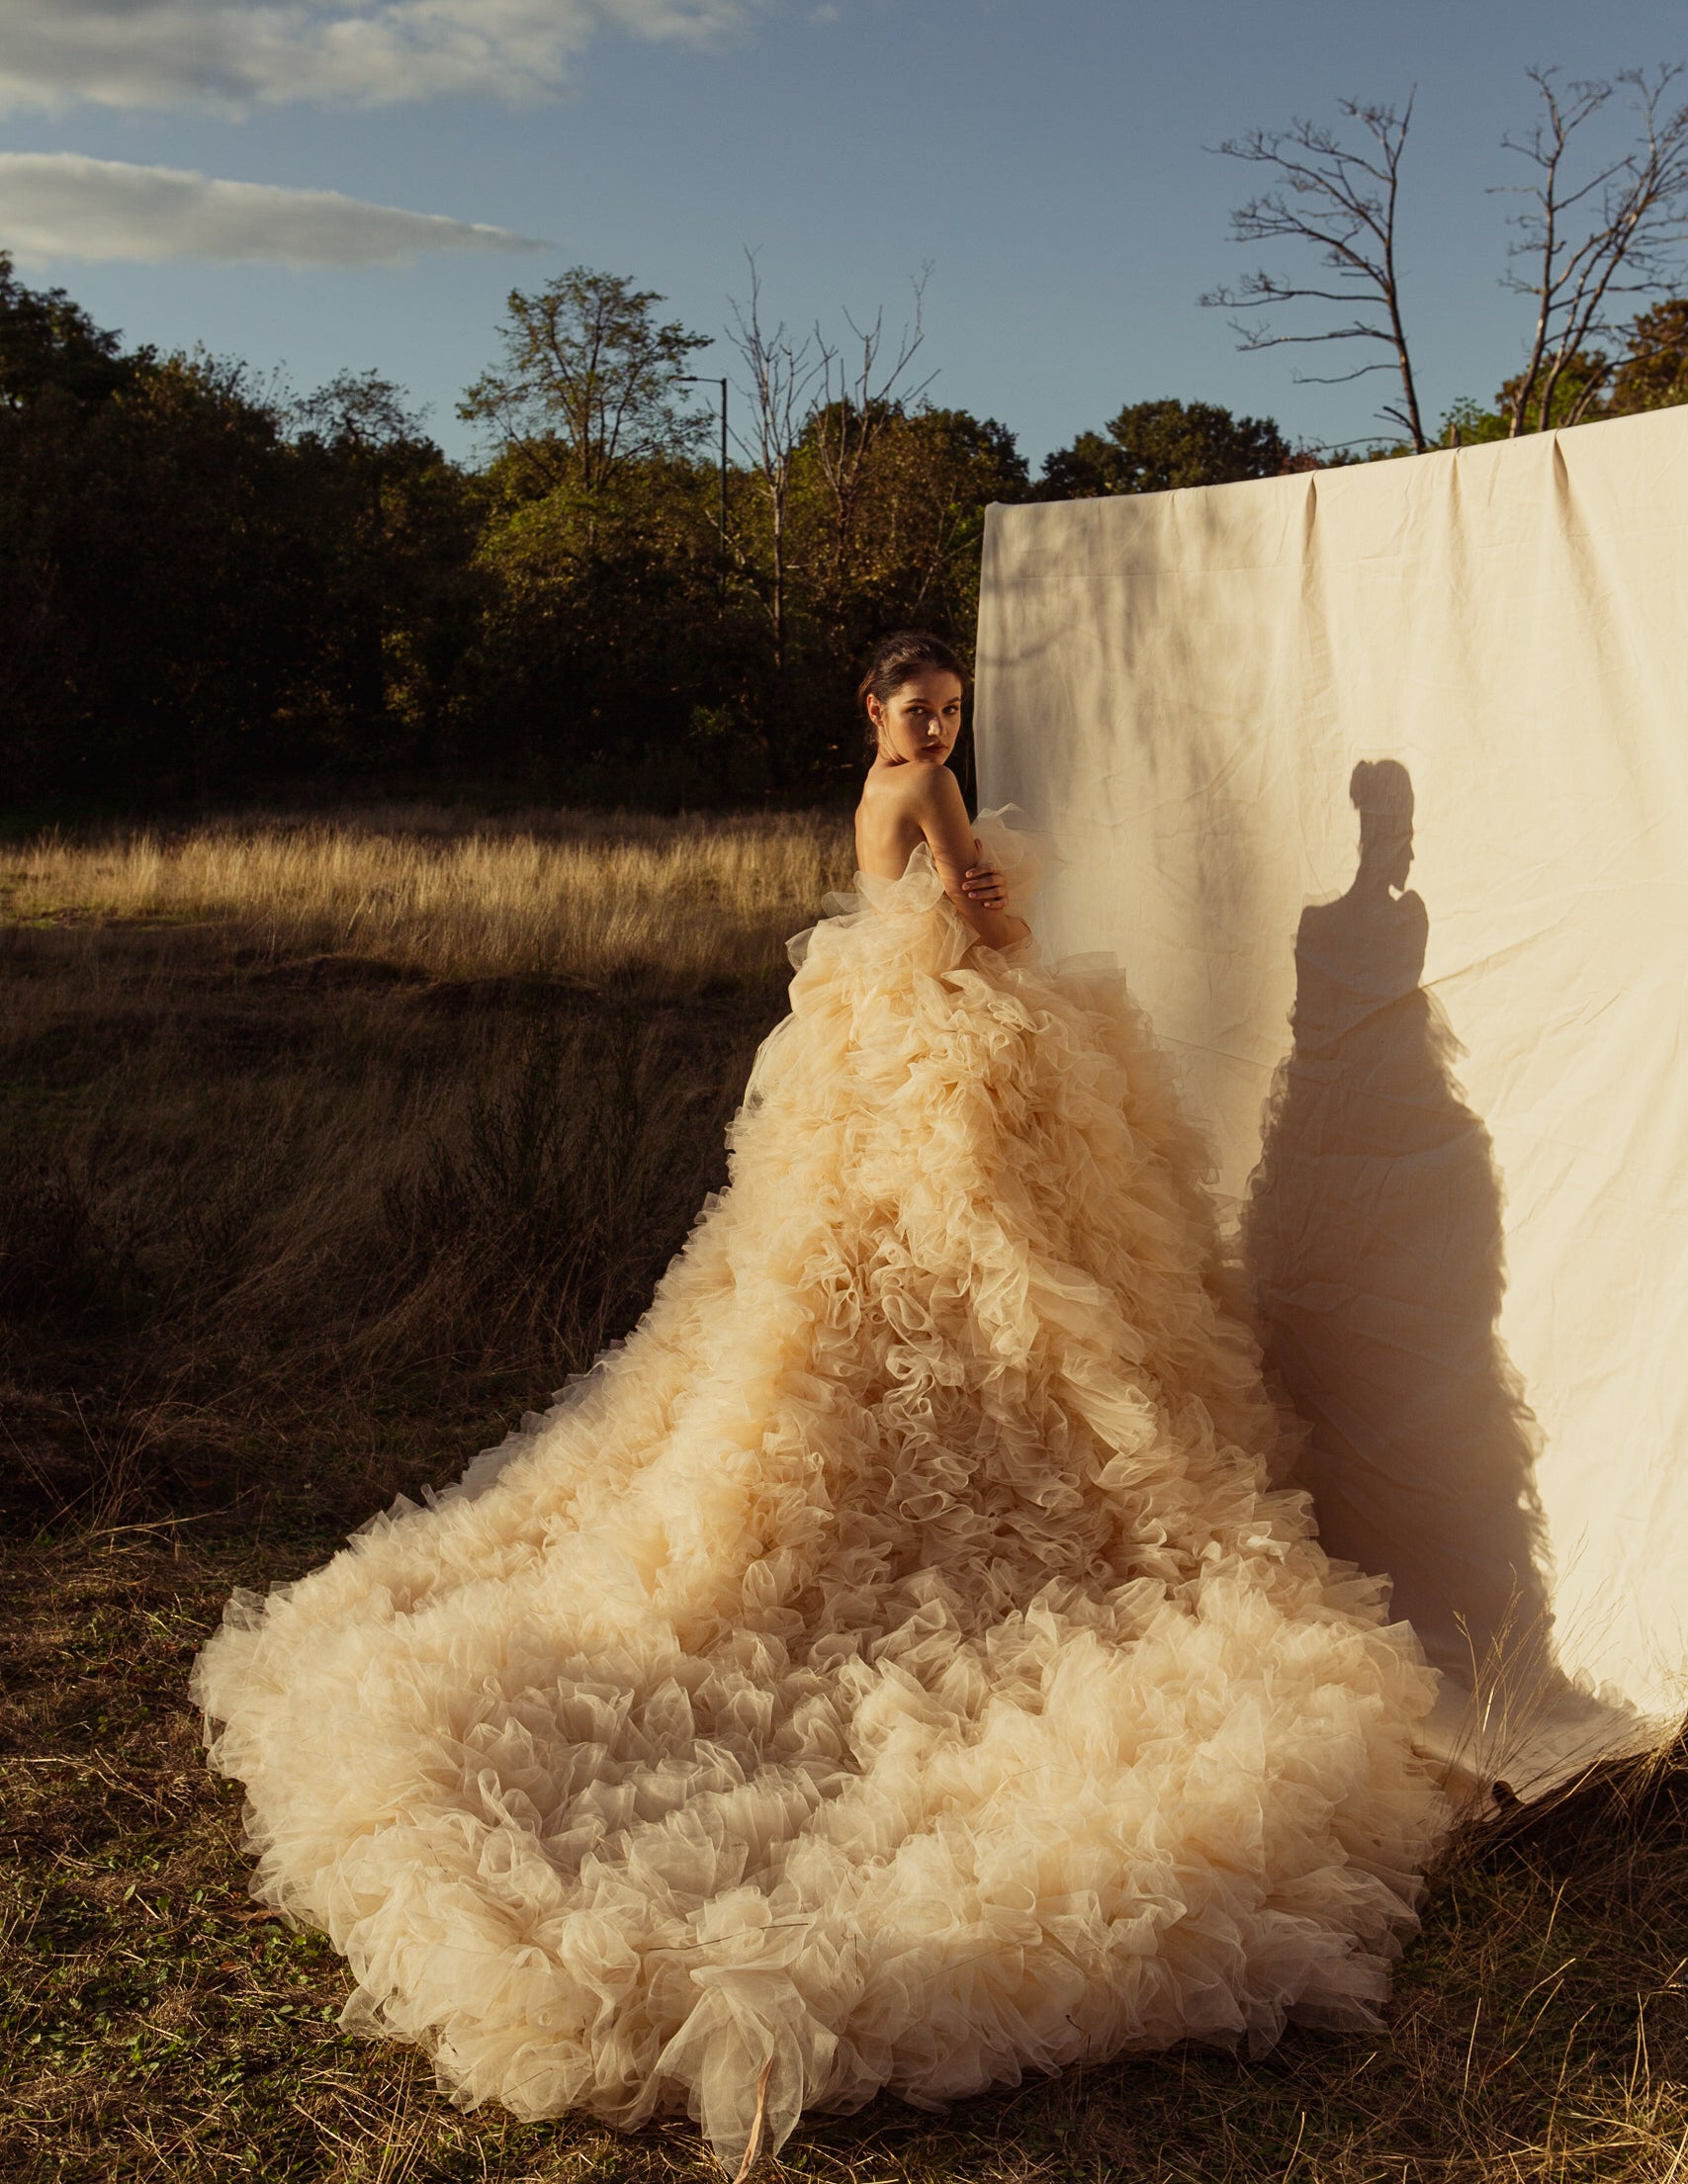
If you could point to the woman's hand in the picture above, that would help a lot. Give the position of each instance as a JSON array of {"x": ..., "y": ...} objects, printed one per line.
[
  {"x": 983, "y": 883},
  {"x": 974, "y": 884}
]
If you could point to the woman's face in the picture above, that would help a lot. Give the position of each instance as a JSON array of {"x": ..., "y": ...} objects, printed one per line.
[{"x": 919, "y": 723}]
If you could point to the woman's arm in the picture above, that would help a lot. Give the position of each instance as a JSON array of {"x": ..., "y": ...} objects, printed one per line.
[{"x": 936, "y": 798}]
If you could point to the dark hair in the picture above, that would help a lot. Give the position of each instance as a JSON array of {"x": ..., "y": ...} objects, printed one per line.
[
  {"x": 1380, "y": 789},
  {"x": 896, "y": 658}
]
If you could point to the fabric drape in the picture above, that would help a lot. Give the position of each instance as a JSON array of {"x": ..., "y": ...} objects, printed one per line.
[{"x": 1430, "y": 1011}]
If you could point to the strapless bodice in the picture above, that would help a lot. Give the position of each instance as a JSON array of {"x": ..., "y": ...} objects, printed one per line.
[{"x": 1006, "y": 838}]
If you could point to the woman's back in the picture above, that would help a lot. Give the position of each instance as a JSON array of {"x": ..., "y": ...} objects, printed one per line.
[{"x": 888, "y": 829}]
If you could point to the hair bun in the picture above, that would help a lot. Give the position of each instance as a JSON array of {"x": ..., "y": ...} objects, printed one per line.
[{"x": 1380, "y": 788}]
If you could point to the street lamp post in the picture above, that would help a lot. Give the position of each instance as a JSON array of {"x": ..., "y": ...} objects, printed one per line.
[{"x": 693, "y": 379}]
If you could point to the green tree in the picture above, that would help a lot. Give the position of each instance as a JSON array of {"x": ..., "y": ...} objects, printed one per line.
[
  {"x": 1575, "y": 397},
  {"x": 600, "y": 645},
  {"x": 152, "y": 536},
  {"x": 205, "y": 588},
  {"x": 588, "y": 387},
  {"x": 810, "y": 448},
  {"x": 211, "y": 598},
  {"x": 396, "y": 531},
  {"x": 1152, "y": 447},
  {"x": 913, "y": 551},
  {"x": 50, "y": 344},
  {"x": 1653, "y": 372},
  {"x": 1467, "y": 423},
  {"x": 942, "y": 469},
  {"x": 920, "y": 542},
  {"x": 598, "y": 542},
  {"x": 1649, "y": 373}
]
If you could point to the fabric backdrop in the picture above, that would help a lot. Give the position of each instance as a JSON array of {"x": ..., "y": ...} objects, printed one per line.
[{"x": 1376, "y": 781}]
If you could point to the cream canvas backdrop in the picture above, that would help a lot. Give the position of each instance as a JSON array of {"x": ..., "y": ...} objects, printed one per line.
[{"x": 1468, "y": 1236}]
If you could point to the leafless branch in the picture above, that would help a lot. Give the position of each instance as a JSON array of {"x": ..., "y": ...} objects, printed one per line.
[
  {"x": 803, "y": 396},
  {"x": 856, "y": 404},
  {"x": 1340, "y": 198},
  {"x": 1619, "y": 231},
  {"x": 780, "y": 378}
]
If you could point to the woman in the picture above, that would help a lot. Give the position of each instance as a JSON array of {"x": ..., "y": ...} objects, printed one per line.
[{"x": 890, "y": 1665}]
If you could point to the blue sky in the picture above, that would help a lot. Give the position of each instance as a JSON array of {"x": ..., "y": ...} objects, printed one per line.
[{"x": 1044, "y": 158}]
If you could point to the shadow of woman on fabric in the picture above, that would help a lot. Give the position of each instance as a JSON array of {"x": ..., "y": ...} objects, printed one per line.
[{"x": 1375, "y": 1250}]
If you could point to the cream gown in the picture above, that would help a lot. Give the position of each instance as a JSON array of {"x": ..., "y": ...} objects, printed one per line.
[{"x": 889, "y": 1666}]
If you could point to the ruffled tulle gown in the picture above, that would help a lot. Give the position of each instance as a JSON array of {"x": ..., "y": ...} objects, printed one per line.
[{"x": 891, "y": 1665}]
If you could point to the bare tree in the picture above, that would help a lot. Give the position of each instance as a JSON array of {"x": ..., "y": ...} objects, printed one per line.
[
  {"x": 1342, "y": 198},
  {"x": 857, "y": 401},
  {"x": 1618, "y": 232},
  {"x": 782, "y": 374},
  {"x": 804, "y": 400}
]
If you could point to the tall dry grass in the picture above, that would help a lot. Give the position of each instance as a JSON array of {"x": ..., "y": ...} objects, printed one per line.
[
  {"x": 670, "y": 905},
  {"x": 325, "y": 1151}
]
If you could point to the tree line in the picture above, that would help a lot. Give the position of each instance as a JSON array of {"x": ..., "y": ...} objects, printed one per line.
[{"x": 655, "y": 588}]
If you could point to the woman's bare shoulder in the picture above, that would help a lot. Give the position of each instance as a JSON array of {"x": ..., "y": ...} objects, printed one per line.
[
  {"x": 890, "y": 815},
  {"x": 882, "y": 784},
  {"x": 913, "y": 789}
]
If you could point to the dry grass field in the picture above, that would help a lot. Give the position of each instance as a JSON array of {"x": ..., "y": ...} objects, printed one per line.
[
  {"x": 324, "y": 1151},
  {"x": 634, "y": 901},
  {"x": 321, "y": 1146}
]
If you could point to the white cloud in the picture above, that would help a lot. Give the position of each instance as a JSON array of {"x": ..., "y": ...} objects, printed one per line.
[
  {"x": 59, "y": 205},
  {"x": 236, "y": 53}
]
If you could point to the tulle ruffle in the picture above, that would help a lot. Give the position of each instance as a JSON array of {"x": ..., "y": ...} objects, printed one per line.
[{"x": 891, "y": 1665}]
